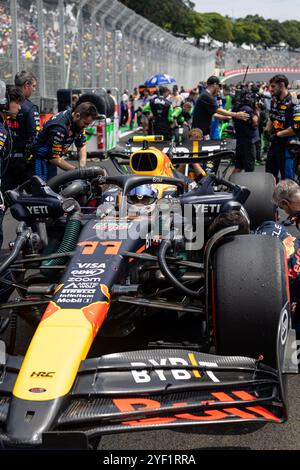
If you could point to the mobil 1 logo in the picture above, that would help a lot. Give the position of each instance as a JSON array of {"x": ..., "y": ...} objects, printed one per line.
[{"x": 77, "y": 293}]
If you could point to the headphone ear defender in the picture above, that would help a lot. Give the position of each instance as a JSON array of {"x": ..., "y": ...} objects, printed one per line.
[{"x": 3, "y": 97}]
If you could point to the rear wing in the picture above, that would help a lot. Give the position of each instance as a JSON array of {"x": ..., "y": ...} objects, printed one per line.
[{"x": 190, "y": 152}]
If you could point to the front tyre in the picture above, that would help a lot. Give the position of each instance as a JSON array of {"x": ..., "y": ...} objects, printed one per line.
[{"x": 249, "y": 292}]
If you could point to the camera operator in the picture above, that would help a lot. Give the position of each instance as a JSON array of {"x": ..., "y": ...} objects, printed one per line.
[
  {"x": 246, "y": 131},
  {"x": 283, "y": 119}
]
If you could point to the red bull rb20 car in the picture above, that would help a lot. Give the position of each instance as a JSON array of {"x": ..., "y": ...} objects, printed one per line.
[{"x": 217, "y": 336}]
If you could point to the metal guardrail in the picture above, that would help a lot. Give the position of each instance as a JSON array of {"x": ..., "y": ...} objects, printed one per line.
[{"x": 92, "y": 43}]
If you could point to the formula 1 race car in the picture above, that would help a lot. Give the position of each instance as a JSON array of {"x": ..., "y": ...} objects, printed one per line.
[
  {"x": 165, "y": 159},
  {"x": 210, "y": 314}
]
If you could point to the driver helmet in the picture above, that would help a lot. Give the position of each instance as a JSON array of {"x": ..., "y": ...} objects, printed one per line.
[{"x": 142, "y": 195}]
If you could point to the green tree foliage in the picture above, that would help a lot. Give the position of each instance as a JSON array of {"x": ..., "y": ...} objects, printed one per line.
[
  {"x": 292, "y": 29},
  {"x": 179, "y": 17},
  {"x": 168, "y": 14},
  {"x": 197, "y": 25},
  {"x": 220, "y": 27},
  {"x": 246, "y": 32}
]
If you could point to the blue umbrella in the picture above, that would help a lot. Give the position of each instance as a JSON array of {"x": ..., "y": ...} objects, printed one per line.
[{"x": 160, "y": 79}]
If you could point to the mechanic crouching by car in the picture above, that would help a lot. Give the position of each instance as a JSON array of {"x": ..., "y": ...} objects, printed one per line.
[
  {"x": 287, "y": 197},
  {"x": 58, "y": 134},
  {"x": 283, "y": 121},
  {"x": 161, "y": 109}
]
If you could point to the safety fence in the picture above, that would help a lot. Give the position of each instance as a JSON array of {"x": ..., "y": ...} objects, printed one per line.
[{"x": 92, "y": 43}]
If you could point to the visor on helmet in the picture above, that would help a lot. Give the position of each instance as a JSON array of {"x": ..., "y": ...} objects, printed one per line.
[{"x": 143, "y": 195}]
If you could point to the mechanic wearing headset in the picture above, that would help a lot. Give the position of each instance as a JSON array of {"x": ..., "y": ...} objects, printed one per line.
[
  {"x": 58, "y": 134},
  {"x": 27, "y": 124},
  {"x": 10, "y": 104}
]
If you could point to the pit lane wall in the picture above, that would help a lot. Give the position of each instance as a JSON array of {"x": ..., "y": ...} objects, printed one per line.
[{"x": 92, "y": 43}]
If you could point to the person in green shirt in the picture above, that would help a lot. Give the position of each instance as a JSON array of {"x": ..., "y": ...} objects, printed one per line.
[
  {"x": 183, "y": 114},
  {"x": 227, "y": 98}
]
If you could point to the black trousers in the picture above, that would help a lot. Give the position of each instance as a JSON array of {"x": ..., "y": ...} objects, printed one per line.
[
  {"x": 245, "y": 155},
  {"x": 124, "y": 116},
  {"x": 166, "y": 133},
  {"x": 15, "y": 174},
  {"x": 279, "y": 160}
]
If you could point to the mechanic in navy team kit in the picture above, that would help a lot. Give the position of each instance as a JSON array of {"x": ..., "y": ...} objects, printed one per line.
[
  {"x": 287, "y": 197},
  {"x": 27, "y": 126},
  {"x": 58, "y": 134},
  {"x": 282, "y": 124},
  {"x": 10, "y": 105},
  {"x": 162, "y": 110}
]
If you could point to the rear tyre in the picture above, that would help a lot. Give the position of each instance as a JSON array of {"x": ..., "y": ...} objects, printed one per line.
[
  {"x": 259, "y": 204},
  {"x": 250, "y": 290}
]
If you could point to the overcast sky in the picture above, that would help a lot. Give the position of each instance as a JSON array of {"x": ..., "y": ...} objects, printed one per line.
[{"x": 277, "y": 9}]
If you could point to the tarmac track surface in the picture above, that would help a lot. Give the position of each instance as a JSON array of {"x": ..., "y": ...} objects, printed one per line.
[{"x": 269, "y": 437}]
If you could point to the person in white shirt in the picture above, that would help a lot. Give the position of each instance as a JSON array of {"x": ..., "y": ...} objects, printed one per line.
[
  {"x": 124, "y": 108},
  {"x": 176, "y": 99}
]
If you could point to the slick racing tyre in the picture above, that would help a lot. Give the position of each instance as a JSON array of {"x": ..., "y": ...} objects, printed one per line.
[
  {"x": 64, "y": 98},
  {"x": 259, "y": 204},
  {"x": 110, "y": 105},
  {"x": 97, "y": 100},
  {"x": 249, "y": 292}
]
